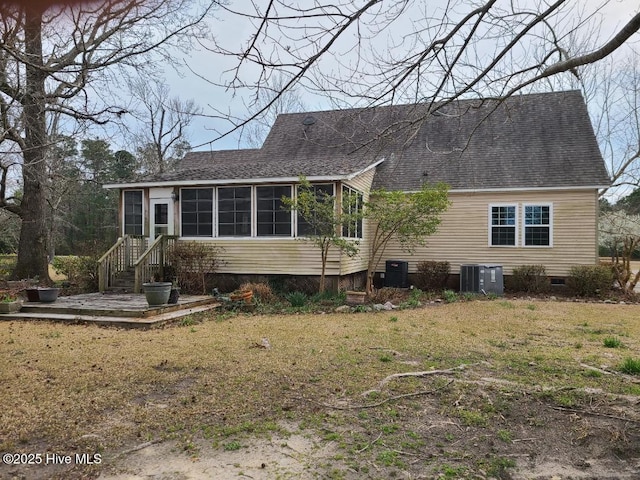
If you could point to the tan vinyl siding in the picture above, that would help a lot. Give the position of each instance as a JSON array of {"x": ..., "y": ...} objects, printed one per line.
[
  {"x": 358, "y": 263},
  {"x": 363, "y": 181},
  {"x": 463, "y": 236},
  {"x": 272, "y": 256}
]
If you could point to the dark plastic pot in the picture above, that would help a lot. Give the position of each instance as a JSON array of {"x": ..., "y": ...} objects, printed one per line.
[
  {"x": 174, "y": 296},
  {"x": 33, "y": 295},
  {"x": 48, "y": 295}
]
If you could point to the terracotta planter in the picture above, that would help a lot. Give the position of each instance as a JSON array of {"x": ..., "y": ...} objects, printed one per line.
[
  {"x": 10, "y": 307},
  {"x": 241, "y": 297},
  {"x": 157, "y": 293}
]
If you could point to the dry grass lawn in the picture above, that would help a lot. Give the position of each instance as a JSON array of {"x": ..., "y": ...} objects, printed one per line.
[{"x": 75, "y": 389}]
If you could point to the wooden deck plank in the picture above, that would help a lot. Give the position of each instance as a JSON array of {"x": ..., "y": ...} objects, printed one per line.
[{"x": 120, "y": 310}]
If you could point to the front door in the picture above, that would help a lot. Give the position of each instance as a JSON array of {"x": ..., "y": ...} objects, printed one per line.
[{"x": 161, "y": 218}]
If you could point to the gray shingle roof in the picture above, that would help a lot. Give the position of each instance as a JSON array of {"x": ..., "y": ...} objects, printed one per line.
[{"x": 529, "y": 141}]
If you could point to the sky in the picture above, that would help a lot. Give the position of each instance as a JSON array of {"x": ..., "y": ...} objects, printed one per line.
[{"x": 234, "y": 31}]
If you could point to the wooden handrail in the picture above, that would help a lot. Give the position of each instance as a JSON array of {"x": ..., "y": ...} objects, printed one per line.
[
  {"x": 151, "y": 263},
  {"x": 120, "y": 241},
  {"x": 119, "y": 258}
]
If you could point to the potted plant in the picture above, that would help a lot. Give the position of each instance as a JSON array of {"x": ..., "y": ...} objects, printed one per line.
[
  {"x": 10, "y": 302},
  {"x": 157, "y": 293}
]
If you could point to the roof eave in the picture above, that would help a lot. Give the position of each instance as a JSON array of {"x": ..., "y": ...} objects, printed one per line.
[{"x": 524, "y": 189}]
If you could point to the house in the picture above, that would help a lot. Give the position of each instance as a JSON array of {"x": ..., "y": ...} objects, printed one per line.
[{"x": 524, "y": 175}]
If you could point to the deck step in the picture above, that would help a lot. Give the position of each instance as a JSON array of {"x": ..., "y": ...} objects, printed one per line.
[
  {"x": 123, "y": 310},
  {"x": 112, "y": 321}
]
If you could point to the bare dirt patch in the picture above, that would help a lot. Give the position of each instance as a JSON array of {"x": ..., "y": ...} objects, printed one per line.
[
  {"x": 294, "y": 456},
  {"x": 539, "y": 395}
]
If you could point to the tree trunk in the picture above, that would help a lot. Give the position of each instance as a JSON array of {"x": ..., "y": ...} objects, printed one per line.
[
  {"x": 33, "y": 246},
  {"x": 325, "y": 254}
]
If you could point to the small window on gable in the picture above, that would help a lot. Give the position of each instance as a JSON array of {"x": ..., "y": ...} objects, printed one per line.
[
  {"x": 502, "y": 219},
  {"x": 537, "y": 225}
]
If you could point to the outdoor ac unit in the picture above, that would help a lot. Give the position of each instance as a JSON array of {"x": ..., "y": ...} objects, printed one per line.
[
  {"x": 396, "y": 274},
  {"x": 482, "y": 279}
]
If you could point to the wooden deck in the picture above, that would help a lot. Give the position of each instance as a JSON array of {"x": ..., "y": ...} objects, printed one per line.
[{"x": 125, "y": 310}]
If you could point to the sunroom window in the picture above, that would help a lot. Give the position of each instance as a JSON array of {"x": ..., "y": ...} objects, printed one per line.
[
  {"x": 234, "y": 211},
  {"x": 197, "y": 212},
  {"x": 324, "y": 192},
  {"x": 273, "y": 218},
  {"x": 352, "y": 202}
]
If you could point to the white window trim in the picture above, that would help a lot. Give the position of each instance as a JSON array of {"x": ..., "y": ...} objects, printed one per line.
[
  {"x": 124, "y": 225},
  {"x": 490, "y": 224},
  {"x": 524, "y": 225}
]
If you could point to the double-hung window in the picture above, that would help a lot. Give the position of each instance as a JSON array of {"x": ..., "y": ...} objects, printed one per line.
[
  {"x": 537, "y": 225},
  {"x": 273, "y": 217},
  {"x": 502, "y": 220},
  {"x": 234, "y": 211},
  {"x": 197, "y": 212},
  {"x": 133, "y": 212}
]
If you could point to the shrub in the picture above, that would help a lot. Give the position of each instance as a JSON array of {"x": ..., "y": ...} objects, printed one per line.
[
  {"x": 590, "y": 280},
  {"x": 530, "y": 279},
  {"x": 80, "y": 271},
  {"x": 260, "y": 290},
  {"x": 297, "y": 299},
  {"x": 192, "y": 262},
  {"x": 432, "y": 275}
]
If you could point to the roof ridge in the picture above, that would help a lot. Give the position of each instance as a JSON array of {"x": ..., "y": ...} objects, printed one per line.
[{"x": 415, "y": 104}]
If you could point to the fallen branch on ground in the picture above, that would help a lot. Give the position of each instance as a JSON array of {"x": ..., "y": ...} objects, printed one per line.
[
  {"x": 596, "y": 369},
  {"x": 595, "y": 414},
  {"x": 386, "y": 400},
  {"x": 447, "y": 371},
  {"x": 141, "y": 446}
]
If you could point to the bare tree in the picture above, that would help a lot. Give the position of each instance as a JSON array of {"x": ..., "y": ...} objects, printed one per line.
[
  {"x": 382, "y": 52},
  {"x": 162, "y": 138},
  {"x": 612, "y": 89},
  {"x": 62, "y": 60},
  {"x": 289, "y": 101}
]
